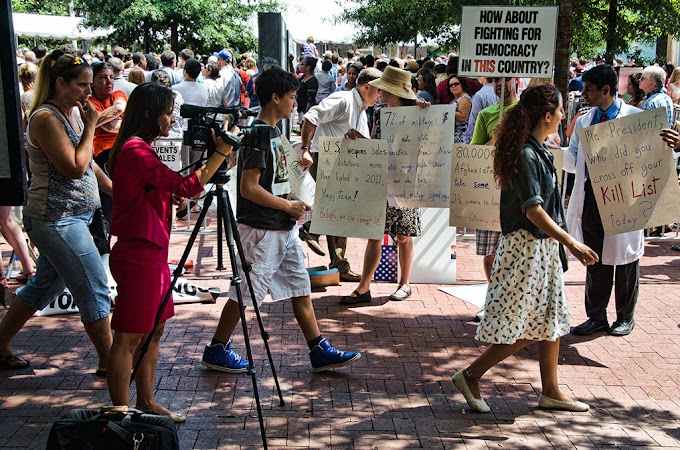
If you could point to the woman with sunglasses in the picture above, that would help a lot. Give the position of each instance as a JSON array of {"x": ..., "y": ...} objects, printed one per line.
[
  {"x": 463, "y": 101},
  {"x": 61, "y": 200}
]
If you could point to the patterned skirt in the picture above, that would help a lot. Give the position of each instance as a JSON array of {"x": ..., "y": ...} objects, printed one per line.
[{"x": 526, "y": 297}]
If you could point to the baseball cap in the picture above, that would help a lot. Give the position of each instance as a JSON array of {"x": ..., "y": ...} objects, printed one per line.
[{"x": 224, "y": 54}]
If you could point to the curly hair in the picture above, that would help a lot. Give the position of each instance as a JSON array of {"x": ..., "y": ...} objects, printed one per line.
[{"x": 516, "y": 126}]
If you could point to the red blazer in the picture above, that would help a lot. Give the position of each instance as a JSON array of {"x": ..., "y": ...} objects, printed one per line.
[{"x": 142, "y": 188}]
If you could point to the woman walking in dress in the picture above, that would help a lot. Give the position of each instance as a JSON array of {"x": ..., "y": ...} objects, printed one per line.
[{"x": 526, "y": 301}]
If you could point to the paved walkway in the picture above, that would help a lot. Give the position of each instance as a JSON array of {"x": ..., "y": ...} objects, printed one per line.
[{"x": 399, "y": 395}]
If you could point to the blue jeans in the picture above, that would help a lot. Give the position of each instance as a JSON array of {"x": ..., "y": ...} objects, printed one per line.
[{"x": 68, "y": 258}]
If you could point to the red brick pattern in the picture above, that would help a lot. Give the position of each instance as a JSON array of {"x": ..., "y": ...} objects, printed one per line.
[{"x": 400, "y": 394}]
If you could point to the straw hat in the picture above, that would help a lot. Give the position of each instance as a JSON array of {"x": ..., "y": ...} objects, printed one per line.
[{"x": 395, "y": 81}]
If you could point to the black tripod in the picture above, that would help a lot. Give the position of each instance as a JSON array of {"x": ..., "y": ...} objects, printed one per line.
[{"x": 227, "y": 222}]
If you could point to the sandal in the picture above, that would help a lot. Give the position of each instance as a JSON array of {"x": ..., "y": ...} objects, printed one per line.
[
  {"x": 182, "y": 213},
  {"x": 12, "y": 362}
]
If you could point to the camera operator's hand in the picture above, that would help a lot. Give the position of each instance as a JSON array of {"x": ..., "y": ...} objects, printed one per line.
[
  {"x": 297, "y": 208},
  {"x": 221, "y": 147},
  {"x": 306, "y": 160}
]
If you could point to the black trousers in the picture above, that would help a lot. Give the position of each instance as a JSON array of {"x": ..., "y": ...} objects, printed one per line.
[
  {"x": 601, "y": 277},
  {"x": 337, "y": 245}
]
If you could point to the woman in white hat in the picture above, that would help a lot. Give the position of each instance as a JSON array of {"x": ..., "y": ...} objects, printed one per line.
[{"x": 401, "y": 223}]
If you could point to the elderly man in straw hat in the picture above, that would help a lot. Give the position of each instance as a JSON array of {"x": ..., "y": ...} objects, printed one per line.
[
  {"x": 400, "y": 223},
  {"x": 335, "y": 116}
]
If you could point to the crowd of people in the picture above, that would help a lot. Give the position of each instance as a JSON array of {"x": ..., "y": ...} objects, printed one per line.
[{"x": 90, "y": 120}]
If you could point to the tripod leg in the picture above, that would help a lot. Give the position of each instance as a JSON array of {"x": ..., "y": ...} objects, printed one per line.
[
  {"x": 233, "y": 226},
  {"x": 178, "y": 271},
  {"x": 226, "y": 214}
]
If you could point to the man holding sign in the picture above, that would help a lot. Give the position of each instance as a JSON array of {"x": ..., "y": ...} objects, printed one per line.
[{"x": 619, "y": 253}]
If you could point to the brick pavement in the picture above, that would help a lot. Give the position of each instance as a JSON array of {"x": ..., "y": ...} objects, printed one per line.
[{"x": 399, "y": 395}]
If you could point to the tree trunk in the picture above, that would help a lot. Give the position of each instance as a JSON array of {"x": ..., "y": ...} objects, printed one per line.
[
  {"x": 174, "y": 37},
  {"x": 611, "y": 30},
  {"x": 565, "y": 27}
]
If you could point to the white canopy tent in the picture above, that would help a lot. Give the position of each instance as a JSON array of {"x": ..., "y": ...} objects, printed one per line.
[{"x": 54, "y": 27}]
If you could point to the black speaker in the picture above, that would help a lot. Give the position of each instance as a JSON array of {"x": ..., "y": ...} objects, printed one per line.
[{"x": 12, "y": 153}]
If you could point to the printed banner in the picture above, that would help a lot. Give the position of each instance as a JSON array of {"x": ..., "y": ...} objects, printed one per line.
[
  {"x": 302, "y": 185},
  {"x": 475, "y": 198},
  {"x": 351, "y": 188},
  {"x": 420, "y": 141},
  {"x": 170, "y": 152},
  {"x": 506, "y": 41},
  {"x": 632, "y": 172}
]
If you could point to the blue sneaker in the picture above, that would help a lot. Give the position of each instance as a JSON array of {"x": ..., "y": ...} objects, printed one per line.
[
  {"x": 325, "y": 357},
  {"x": 223, "y": 358}
]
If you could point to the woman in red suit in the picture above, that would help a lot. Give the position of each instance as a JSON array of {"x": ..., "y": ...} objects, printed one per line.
[{"x": 141, "y": 218}]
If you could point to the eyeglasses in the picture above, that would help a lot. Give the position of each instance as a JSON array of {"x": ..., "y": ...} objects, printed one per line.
[{"x": 454, "y": 84}]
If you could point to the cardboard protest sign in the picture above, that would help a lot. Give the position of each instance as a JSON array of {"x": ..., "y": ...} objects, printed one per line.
[
  {"x": 475, "y": 198},
  {"x": 170, "y": 152},
  {"x": 351, "y": 188},
  {"x": 498, "y": 41},
  {"x": 632, "y": 172},
  {"x": 420, "y": 142},
  {"x": 302, "y": 185}
]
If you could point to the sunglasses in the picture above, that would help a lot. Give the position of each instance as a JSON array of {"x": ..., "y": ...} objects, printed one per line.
[{"x": 454, "y": 84}]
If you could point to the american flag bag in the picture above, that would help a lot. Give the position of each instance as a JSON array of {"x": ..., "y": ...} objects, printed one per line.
[{"x": 387, "y": 269}]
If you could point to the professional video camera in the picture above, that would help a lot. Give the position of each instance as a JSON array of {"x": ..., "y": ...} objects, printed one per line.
[{"x": 202, "y": 120}]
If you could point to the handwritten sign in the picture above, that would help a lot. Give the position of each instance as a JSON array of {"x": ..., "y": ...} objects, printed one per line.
[
  {"x": 170, "y": 152},
  {"x": 351, "y": 188},
  {"x": 420, "y": 142},
  {"x": 475, "y": 198},
  {"x": 497, "y": 41},
  {"x": 632, "y": 172},
  {"x": 302, "y": 185}
]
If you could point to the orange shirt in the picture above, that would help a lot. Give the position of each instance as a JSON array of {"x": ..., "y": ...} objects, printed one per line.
[{"x": 103, "y": 140}]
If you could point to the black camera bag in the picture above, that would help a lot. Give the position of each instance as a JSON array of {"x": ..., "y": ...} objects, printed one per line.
[{"x": 84, "y": 429}]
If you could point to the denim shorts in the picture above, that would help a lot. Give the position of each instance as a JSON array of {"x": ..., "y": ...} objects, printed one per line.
[{"x": 68, "y": 258}]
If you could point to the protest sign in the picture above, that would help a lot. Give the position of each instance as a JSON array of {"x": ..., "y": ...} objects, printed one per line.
[
  {"x": 632, "y": 172},
  {"x": 302, "y": 185},
  {"x": 351, "y": 188},
  {"x": 169, "y": 151},
  {"x": 475, "y": 198},
  {"x": 498, "y": 41},
  {"x": 420, "y": 142}
]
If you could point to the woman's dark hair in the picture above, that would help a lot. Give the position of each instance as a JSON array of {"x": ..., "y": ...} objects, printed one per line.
[
  {"x": 429, "y": 84},
  {"x": 56, "y": 65},
  {"x": 272, "y": 81},
  {"x": 463, "y": 83},
  {"x": 516, "y": 126},
  {"x": 150, "y": 62},
  {"x": 452, "y": 66},
  {"x": 161, "y": 76},
  {"x": 99, "y": 66},
  {"x": 635, "y": 81},
  {"x": 310, "y": 62},
  {"x": 213, "y": 70},
  {"x": 146, "y": 104}
]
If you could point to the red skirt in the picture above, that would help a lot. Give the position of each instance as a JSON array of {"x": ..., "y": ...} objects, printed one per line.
[{"x": 141, "y": 271}]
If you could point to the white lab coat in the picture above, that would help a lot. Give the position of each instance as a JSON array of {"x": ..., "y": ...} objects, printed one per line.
[{"x": 621, "y": 248}]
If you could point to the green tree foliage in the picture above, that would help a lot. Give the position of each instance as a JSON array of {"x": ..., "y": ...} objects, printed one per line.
[
  {"x": 51, "y": 7},
  {"x": 202, "y": 25}
]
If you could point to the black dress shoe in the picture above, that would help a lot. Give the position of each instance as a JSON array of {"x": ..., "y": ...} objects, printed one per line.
[
  {"x": 357, "y": 298},
  {"x": 622, "y": 327},
  {"x": 590, "y": 326}
]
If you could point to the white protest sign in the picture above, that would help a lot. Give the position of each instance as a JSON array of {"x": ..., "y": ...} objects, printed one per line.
[
  {"x": 475, "y": 198},
  {"x": 302, "y": 185},
  {"x": 632, "y": 172},
  {"x": 170, "y": 152},
  {"x": 420, "y": 142},
  {"x": 506, "y": 41},
  {"x": 351, "y": 188}
]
